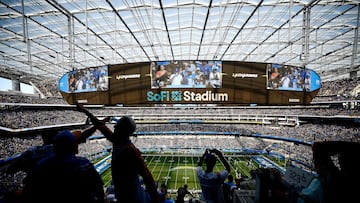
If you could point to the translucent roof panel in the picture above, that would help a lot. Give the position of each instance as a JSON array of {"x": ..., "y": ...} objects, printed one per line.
[{"x": 51, "y": 37}]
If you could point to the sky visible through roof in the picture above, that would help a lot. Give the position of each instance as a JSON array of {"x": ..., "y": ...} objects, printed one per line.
[{"x": 49, "y": 38}]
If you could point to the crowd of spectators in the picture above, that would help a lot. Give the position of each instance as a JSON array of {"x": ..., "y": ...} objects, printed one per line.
[
  {"x": 91, "y": 149},
  {"x": 19, "y": 118},
  {"x": 330, "y": 91},
  {"x": 343, "y": 89},
  {"x": 308, "y": 132},
  {"x": 338, "y": 90},
  {"x": 15, "y": 145},
  {"x": 94, "y": 148},
  {"x": 191, "y": 144},
  {"x": 15, "y": 117},
  {"x": 30, "y": 99},
  {"x": 48, "y": 87},
  {"x": 305, "y": 132}
]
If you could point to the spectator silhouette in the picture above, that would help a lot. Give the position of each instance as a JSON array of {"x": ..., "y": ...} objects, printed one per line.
[
  {"x": 27, "y": 160},
  {"x": 335, "y": 182},
  {"x": 182, "y": 191},
  {"x": 168, "y": 199},
  {"x": 162, "y": 192},
  {"x": 211, "y": 182},
  {"x": 277, "y": 187},
  {"x": 110, "y": 193},
  {"x": 228, "y": 188},
  {"x": 127, "y": 164},
  {"x": 64, "y": 177}
]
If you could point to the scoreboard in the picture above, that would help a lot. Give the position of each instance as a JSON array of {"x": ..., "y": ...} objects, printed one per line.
[{"x": 191, "y": 82}]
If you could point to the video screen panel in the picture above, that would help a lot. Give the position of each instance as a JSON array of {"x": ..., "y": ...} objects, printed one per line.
[
  {"x": 89, "y": 79},
  {"x": 237, "y": 83},
  {"x": 284, "y": 77},
  {"x": 186, "y": 74}
]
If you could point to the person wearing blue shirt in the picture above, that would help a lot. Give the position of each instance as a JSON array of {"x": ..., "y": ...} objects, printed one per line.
[{"x": 210, "y": 181}]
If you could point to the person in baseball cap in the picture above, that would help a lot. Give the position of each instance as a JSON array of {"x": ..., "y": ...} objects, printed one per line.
[
  {"x": 65, "y": 143},
  {"x": 125, "y": 127},
  {"x": 64, "y": 177}
]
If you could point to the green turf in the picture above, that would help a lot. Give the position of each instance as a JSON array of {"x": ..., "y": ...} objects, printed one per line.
[{"x": 176, "y": 170}]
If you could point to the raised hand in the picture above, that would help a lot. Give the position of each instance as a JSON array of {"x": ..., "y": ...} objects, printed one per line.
[{"x": 80, "y": 107}]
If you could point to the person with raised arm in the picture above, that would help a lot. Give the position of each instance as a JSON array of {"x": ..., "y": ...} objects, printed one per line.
[
  {"x": 128, "y": 167},
  {"x": 210, "y": 181}
]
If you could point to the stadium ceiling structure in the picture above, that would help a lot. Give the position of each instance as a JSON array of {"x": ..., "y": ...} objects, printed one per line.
[{"x": 51, "y": 37}]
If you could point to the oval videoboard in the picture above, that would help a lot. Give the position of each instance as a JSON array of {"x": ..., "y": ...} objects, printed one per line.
[{"x": 191, "y": 82}]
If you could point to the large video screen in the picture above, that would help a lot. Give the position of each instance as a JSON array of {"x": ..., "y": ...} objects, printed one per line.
[
  {"x": 284, "y": 77},
  {"x": 89, "y": 79},
  {"x": 191, "y": 82},
  {"x": 186, "y": 74}
]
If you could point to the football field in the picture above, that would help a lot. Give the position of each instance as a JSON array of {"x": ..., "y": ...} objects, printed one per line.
[{"x": 176, "y": 170}]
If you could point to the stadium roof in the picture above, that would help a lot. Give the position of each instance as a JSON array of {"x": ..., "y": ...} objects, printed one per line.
[{"x": 49, "y": 38}]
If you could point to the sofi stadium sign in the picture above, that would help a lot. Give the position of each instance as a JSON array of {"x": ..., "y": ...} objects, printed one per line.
[{"x": 187, "y": 96}]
